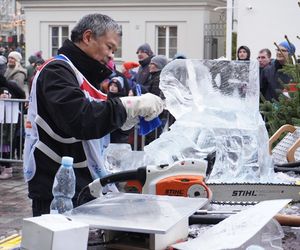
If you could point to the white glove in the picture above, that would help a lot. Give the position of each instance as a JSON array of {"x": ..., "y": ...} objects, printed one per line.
[{"x": 148, "y": 106}]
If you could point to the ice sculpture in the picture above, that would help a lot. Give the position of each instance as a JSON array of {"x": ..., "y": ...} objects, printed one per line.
[{"x": 216, "y": 106}]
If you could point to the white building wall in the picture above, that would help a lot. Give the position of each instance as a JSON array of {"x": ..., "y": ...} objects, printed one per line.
[
  {"x": 138, "y": 25},
  {"x": 263, "y": 22}
]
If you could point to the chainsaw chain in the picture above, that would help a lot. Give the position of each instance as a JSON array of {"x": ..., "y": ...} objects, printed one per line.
[
  {"x": 250, "y": 184},
  {"x": 244, "y": 203},
  {"x": 234, "y": 203}
]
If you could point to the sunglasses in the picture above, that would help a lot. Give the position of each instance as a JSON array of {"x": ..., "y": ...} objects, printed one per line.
[{"x": 283, "y": 50}]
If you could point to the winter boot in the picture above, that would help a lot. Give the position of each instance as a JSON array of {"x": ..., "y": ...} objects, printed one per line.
[{"x": 6, "y": 173}]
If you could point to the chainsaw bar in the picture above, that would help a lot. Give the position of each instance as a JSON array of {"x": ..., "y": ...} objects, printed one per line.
[{"x": 251, "y": 193}]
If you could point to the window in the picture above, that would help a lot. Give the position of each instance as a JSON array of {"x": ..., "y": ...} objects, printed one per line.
[
  {"x": 58, "y": 35},
  {"x": 118, "y": 53},
  {"x": 166, "y": 40}
]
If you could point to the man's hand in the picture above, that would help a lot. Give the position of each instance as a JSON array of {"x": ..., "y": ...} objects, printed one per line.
[{"x": 148, "y": 106}]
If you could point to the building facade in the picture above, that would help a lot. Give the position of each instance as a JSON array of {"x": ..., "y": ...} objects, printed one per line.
[
  {"x": 12, "y": 24},
  {"x": 260, "y": 23},
  {"x": 190, "y": 27}
]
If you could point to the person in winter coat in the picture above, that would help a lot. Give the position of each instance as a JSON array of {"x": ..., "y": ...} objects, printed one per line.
[
  {"x": 31, "y": 68},
  {"x": 116, "y": 88},
  {"x": 68, "y": 114},
  {"x": 13, "y": 88},
  {"x": 179, "y": 56},
  {"x": 9, "y": 89},
  {"x": 144, "y": 53},
  {"x": 15, "y": 71},
  {"x": 243, "y": 53},
  {"x": 5, "y": 148},
  {"x": 272, "y": 78},
  {"x": 264, "y": 58},
  {"x": 157, "y": 63}
]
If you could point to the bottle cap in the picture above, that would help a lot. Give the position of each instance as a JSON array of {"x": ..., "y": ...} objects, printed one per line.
[{"x": 67, "y": 161}]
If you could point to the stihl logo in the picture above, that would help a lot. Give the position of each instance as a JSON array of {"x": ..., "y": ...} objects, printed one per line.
[
  {"x": 243, "y": 193},
  {"x": 174, "y": 192}
]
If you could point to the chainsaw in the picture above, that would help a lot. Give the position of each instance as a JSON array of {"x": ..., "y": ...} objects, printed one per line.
[{"x": 188, "y": 178}]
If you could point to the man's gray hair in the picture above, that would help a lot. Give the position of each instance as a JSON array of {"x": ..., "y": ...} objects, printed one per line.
[{"x": 99, "y": 24}]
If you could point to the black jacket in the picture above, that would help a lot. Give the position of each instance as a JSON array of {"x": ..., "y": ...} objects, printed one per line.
[
  {"x": 154, "y": 84},
  {"x": 62, "y": 104},
  {"x": 142, "y": 76},
  {"x": 272, "y": 80},
  {"x": 13, "y": 87}
]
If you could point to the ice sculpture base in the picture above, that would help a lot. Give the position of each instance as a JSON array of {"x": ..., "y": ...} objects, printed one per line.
[
  {"x": 160, "y": 220},
  {"x": 149, "y": 241}
]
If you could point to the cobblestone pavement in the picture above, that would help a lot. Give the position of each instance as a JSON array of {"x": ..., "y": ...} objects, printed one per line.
[{"x": 14, "y": 203}]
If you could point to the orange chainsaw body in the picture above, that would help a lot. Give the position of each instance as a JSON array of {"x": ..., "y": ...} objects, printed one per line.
[{"x": 181, "y": 185}]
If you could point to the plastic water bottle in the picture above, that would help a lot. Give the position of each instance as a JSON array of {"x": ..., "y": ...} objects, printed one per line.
[{"x": 63, "y": 188}]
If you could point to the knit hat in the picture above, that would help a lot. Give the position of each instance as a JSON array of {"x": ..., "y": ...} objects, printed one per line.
[
  {"x": 179, "y": 56},
  {"x": 289, "y": 46},
  {"x": 32, "y": 59},
  {"x": 160, "y": 61},
  {"x": 119, "y": 81},
  {"x": 146, "y": 49},
  {"x": 16, "y": 55},
  {"x": 130, "y": 65}
]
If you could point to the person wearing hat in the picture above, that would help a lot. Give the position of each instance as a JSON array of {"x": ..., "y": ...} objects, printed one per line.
[
  {"x": 144, "y": 53},
  {"x": 179, "y": 56},
  {"x": 116, "y": 88},
  {"x": 38, "y": 62},
  {"x": 30, "y": 68},
  {"x": 272, "y": 78},
  {"x": 15, "y": 71},
  {"x": 156, "y": 65},
  {"x": 243, "y": 53}
]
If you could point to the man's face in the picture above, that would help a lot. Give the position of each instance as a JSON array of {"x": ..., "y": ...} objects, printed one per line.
[
  {"x": 101, "y": 48},
  {"x": 282, "y": 57},
  {"x": 142, "y": 55},
  {"x": 11, "y": 62},
  {"x": 263, "y": 59}
]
